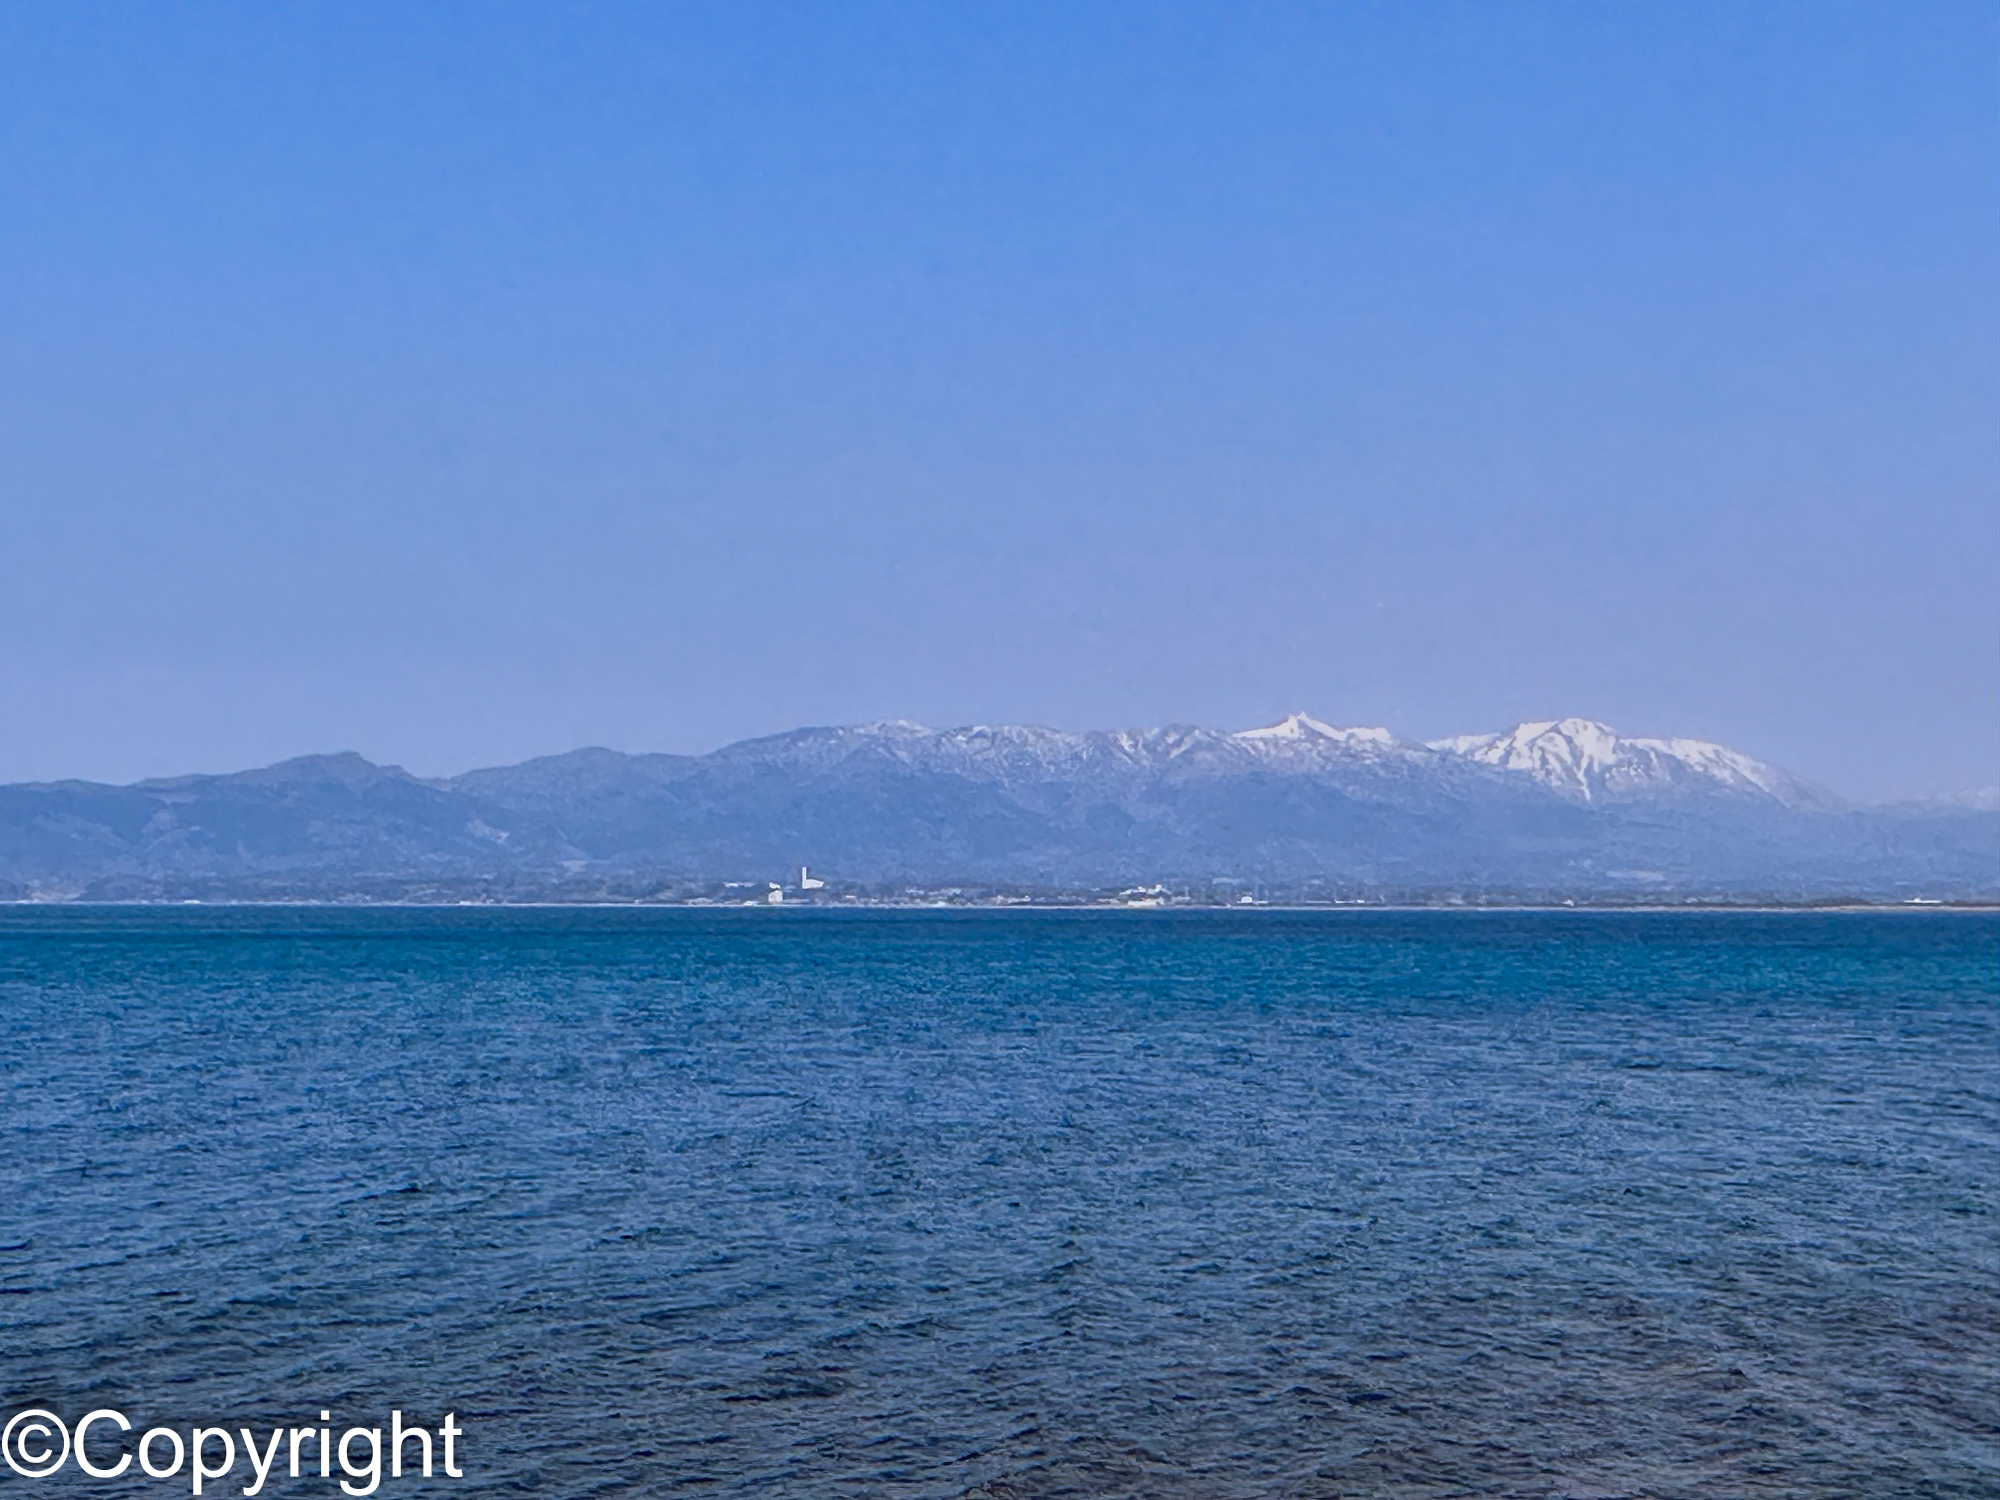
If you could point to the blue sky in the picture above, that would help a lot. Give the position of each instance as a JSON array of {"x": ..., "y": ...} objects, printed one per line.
[{"x": 457, "y": 383}]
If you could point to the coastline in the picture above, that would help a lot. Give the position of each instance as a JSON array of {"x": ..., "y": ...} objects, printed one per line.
[{"x": 1357, "y": 908}]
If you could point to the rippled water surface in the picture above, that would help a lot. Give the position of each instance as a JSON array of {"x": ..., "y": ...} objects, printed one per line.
[{"x": 893, "y": 1204}]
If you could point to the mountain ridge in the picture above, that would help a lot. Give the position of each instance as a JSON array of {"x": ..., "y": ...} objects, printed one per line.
[{"x": 1549, "y": 807}]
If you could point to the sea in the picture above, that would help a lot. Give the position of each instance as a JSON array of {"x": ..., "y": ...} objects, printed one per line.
[{"x": 1010, "y": 1203}]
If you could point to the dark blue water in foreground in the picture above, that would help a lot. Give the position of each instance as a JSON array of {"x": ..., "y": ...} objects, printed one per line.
[{"x": 894, "y": 1204}]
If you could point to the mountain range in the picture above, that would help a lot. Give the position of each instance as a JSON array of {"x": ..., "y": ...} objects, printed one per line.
[{"x": 1550, "y": 810}]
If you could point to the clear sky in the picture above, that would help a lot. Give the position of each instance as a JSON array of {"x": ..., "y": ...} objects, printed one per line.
[{"x": 457, "y": 383}]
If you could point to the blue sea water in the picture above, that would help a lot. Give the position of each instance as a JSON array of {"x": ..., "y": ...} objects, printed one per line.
[{"x": 787, "y": 1203}]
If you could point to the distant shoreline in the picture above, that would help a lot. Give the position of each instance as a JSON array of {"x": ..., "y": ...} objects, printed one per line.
[{"x": 1352, "y": 908}]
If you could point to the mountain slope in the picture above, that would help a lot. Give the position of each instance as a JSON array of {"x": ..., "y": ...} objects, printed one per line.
[
  {"x": 1553, "y": 808},
  {"x": 1588, "y": 761}
]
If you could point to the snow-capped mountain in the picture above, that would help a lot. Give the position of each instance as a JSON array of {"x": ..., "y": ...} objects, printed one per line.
[
  {"x": 1577, "y": 758},
  {"x": 1559, "y": 807},
  {"x": 1297, "y": 730},
  {"x": 1586, "y": 760},
  {"x": 1025, "y": 756}
]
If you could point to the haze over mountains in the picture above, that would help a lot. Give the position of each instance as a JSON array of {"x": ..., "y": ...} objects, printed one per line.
[{"x": 1302, "y": 809}]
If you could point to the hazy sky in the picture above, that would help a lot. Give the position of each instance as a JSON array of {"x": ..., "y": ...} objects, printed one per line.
[{"x": 457, "y": 383}]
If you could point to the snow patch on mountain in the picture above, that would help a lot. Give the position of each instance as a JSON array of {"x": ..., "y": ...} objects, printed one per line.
[
  {"x": 1297, "y": 729},
  {"x": 1590, "y": 762},
  {"x": 1579, "y": 759},
  {"x": 1016, "y": 754}
]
